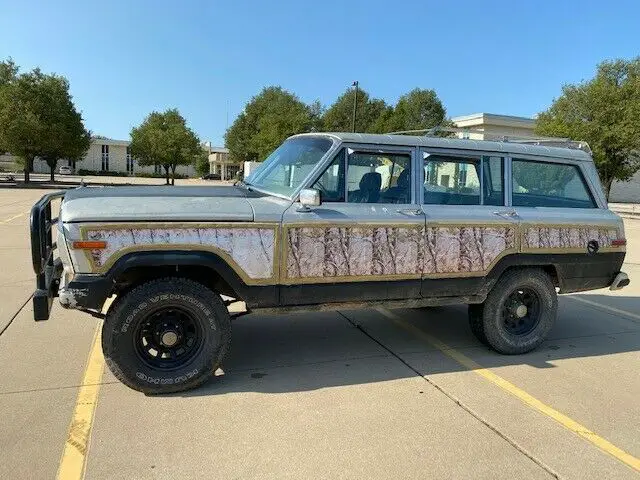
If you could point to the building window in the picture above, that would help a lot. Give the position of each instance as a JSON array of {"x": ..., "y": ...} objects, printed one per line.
[
  {"x": 105, "y": 158},
  {"x": 462, "y": 175},
  {"x": 129, "y": 161}
]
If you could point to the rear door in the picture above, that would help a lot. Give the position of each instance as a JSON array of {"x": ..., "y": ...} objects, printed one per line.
[
  {"x": 469, "y": 228},
  {"x": 563, "y": 221},
  {"x": 363, "y": 242}
]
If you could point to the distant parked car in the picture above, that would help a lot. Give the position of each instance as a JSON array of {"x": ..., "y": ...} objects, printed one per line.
[
  {"x": 211, "y": 176},
  {"x": 65, "y": 170}
]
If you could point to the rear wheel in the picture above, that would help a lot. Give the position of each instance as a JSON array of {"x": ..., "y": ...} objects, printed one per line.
[
  {"x": 518, "y": 313},
  {"x": 475, "y": 322},
  {"x": 167, "y": 335}
]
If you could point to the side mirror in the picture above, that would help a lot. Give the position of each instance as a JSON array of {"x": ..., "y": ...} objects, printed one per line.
[{"x": 309, "y": 197}]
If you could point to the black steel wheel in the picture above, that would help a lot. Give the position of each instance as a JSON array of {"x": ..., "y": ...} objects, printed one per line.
[
  {"x": 166, "y": 335},
  {"x": 518, "y": 312},
  {"x": 168, "y": 338},
  {"x": 521, "y": 311}
]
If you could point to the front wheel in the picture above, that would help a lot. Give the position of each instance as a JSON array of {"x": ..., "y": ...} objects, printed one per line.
[
  {"x": 166, "y": 335},
  {"x": 518, "y": 313}
]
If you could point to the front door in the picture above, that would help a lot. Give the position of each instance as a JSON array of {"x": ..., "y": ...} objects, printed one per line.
[
  {"x": 468, "y": 228},
  {"x": 363, "y": 242}
]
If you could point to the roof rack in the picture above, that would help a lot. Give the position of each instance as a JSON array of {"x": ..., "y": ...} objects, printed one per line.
[{"x": 530, "y": 140}]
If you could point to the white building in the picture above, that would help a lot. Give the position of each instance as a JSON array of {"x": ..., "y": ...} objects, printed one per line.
[
  {"x": 104, "y": 155},
  {"x": 221, "y": 164},
  {"x": 489, "y": 126}
]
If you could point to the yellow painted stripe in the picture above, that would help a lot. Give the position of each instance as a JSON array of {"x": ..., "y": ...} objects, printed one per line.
[
  {"x": 74, "y": 456},
  {"x": 617, "y": 311},
  {"x": 12, "y": 218},
  {"x": 517, "y": 392}
]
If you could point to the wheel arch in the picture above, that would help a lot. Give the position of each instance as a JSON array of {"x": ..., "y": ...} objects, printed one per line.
[
  {"x": 205, "y": 267},
  {"x": 551, "y": 264}
]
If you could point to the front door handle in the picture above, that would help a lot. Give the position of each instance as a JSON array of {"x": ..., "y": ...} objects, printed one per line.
[{"x": 414, "y": 212}]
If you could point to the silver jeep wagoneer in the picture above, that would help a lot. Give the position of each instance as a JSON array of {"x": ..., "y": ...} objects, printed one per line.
[{"x": 328, "y": 221}]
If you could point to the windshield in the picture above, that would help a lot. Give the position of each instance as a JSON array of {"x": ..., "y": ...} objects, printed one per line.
[{"x": 284, "y": 170}]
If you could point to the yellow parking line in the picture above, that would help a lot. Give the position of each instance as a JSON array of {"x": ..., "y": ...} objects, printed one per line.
[
  {"x": 73, "y": 460},
  {"x": 605, "y": 307},
  {"x": 12, "y": 218},
  {"x": 517, "y": 392}
]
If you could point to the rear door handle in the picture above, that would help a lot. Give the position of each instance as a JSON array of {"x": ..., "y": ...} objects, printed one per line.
[{"x": 414, "y": 212}]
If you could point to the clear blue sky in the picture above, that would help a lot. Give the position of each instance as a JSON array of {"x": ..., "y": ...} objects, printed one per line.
[{"x": 127, "y": 58}]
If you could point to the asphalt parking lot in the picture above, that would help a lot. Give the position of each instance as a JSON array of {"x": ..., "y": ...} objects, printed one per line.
[{"x": 350, "y": 394}]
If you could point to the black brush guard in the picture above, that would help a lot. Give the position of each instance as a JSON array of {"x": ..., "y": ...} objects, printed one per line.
[{"x": 47, "y": 268}]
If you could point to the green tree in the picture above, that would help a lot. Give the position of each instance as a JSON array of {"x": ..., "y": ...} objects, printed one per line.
[
  {"x": 165, "y": 139},
  {"x": 38, "y": 118},
  {"x": 419, "y": 109},
  {"x": 369, "y": 111},
  {"x": 202, "y": 161},
  {"x": 268, "y": 119},
  {"x": 605, "y": 112},
  {"x": 8, "y": 72}
]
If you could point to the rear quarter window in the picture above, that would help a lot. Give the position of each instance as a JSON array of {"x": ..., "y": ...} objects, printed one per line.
[{"x": 547, "y": 184}]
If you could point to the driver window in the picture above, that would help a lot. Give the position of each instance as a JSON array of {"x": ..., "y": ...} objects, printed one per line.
[
  {"x": 379, "y": 178},
  {"x": 371, "y": 178}
]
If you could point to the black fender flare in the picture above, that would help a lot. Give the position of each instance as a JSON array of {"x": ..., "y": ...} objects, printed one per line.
[{"x": 96, "y": 289}]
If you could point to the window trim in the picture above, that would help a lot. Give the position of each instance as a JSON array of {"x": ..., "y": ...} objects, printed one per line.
[
  {"x": 504, "y": 183},
  {"x": 508, "y": 182},
  {"x": 557, "y": 161}
]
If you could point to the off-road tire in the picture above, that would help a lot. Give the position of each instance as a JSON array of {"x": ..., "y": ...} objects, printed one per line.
[
  {"x": 490, "y": 323},
  {"x": 474, "y": 311},
  {"x": 206, "y": 309}
]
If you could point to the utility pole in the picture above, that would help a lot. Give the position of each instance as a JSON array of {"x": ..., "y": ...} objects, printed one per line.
[{"x": 355, "y": 105}]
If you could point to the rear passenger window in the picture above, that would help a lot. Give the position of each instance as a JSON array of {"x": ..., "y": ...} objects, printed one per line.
[
  {"x": 546, "y": 184},
  {"x": 451, "y": 180}
]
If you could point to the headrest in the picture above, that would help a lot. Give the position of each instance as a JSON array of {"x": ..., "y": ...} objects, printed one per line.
[
  {"x": 371, "y": 181},
  {"x": 404, "y": 179}
]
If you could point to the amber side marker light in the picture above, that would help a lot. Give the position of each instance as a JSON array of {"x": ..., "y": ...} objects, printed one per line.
[
  {"x": 620, "y": 242},
  {"x": 89, "y": 245}
]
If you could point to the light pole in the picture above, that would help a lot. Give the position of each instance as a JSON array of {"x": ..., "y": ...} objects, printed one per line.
[{"x": 355, "y": 105}]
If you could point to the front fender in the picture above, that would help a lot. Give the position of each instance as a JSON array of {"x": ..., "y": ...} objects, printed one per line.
[{"x": 87, "y": 291}]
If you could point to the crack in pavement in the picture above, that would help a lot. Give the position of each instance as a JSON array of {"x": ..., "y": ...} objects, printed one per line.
[
  {"x": 458, "y": 402},
  {"x": 51, "y": 389},
  {"x": 15, "y": 315}
]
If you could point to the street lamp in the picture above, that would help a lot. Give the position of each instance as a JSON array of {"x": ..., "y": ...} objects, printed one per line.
[{"x": 355, "y": 104}]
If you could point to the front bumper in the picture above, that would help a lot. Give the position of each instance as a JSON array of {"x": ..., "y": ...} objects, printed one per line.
[
  {"x": 85, "y": 292},
  {"x": 47, "y": 268}
]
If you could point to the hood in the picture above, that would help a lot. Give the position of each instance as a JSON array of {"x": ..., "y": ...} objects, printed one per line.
[{"x": 153, "y": 203}]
